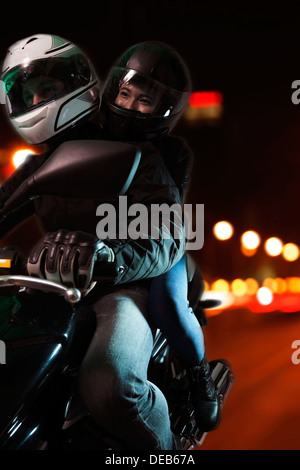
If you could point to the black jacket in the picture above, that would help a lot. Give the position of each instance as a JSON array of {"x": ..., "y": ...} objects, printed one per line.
[
  {"x": 153, "y": 184},
  {"x": 178, "y": 159}
]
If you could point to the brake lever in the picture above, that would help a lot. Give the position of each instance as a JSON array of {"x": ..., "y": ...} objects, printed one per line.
[{"x": 71, "y": 294}]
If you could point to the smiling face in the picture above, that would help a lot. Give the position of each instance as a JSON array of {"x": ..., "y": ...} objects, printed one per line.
[{"x": 137, "y": 98}]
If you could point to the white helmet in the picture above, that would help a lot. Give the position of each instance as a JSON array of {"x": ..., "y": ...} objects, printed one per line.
[{"x": 49, "y": 85}]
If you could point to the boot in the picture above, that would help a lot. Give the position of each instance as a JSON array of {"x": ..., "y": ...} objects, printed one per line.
[{"x": 203, "y": 397}]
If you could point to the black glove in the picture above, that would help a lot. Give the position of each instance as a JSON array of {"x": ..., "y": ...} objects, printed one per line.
[{"x": 68, "y": 258}]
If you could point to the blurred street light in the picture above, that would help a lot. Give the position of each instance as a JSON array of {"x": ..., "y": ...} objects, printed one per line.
[
  {"x": 204, "y": 107},
  {"x": 220, "y": 285},
  {"x": 264, "y": 296},
  {"x": 250, "y": 240},
  {"x": 238, "y": 287},
  {"x": 20, "y": 156},
  {"x": 273, "y": 246},
  {"x": 223, "y": 230},
  {"x": 290, "y": 252}
]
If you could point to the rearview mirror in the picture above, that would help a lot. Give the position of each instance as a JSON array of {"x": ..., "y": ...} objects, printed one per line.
[{"x": 81, "y": 168}]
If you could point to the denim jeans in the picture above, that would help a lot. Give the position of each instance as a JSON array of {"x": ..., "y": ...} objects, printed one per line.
[
  {"x": 113, "y": 381},
  {"x": 171, "y": 313}
]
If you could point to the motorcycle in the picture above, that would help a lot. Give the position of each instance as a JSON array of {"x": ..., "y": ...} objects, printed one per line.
[{"x": 45, "y": 327}]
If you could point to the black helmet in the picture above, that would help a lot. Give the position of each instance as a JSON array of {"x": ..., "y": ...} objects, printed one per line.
[{"x": 160, "y": 74}]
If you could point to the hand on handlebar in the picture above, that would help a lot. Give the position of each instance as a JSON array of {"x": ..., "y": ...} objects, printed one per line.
[{"x": 68, "y": 258}]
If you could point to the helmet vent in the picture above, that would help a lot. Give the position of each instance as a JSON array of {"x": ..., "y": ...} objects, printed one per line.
[{"x": 30, "y": 40}]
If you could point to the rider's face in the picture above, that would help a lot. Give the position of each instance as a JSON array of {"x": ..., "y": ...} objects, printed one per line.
[
  {"x": 137, "y": 98},
  {"x": 37, "y": 90}
]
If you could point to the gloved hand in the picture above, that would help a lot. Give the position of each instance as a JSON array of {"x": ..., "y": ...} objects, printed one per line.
[{"x": 68, "y": 258}]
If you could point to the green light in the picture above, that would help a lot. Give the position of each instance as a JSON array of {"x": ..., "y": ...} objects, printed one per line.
[{"x": 10, "y": 79}]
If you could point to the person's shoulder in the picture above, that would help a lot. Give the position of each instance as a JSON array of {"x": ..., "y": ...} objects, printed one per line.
[
  {"x": 175, "y": 144},
  {"x": 173, "y": 139},
  {"x": 175, "y": 150}
]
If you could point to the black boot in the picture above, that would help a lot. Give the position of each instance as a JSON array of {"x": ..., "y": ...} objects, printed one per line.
[{"x": 203, "y": 397}]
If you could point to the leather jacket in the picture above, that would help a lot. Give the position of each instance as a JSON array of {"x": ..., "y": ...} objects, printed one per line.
[{"x": 153, "y": 184}]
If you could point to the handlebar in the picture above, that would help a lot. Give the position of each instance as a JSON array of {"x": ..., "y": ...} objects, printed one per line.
[{"x": 11, "y": 260}]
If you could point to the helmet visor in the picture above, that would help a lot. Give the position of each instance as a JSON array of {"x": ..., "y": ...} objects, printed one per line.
[
  {"x": 128, "y": 89},
  {"x": 31, "y": 85}
]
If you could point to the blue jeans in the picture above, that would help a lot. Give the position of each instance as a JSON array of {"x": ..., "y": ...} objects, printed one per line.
[
  {"x": 171, "y": 313},
  {"x": 113, "y": 381}
]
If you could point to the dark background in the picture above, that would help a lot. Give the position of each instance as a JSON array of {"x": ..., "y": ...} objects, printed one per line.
[{"x": 246, "y": 168}]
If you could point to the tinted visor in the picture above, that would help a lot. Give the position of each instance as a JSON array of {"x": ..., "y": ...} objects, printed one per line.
[
  {"x": 129, "y": 89},
  {"x": 41, "y": 81}
]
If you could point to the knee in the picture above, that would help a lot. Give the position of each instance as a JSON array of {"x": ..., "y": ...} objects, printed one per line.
[{"x": 106, "y": 392}]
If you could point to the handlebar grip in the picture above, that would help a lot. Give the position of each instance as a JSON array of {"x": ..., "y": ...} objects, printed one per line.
[{"x": 13, "y": 263}]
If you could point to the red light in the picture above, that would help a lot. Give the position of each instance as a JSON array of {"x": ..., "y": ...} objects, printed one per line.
[
  {"x": 201, "y": 99},
  {"x": 7, "y": 170}
]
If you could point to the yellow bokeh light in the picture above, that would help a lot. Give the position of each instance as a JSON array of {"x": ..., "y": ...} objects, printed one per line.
[
  {"x": 250, "y": 240},
  {"x": 238, "y": 287},
  {"x": 273, "y": 246},
  {"x": 279, "y": 285},
  {"x": 290, "y": 252},
  {"x": 248, "y": 252},
  {"x": 223, "y": 230},
  {"x": 252, "y": 286},
  {"x": 220, "y": 285},
  {"x": 293, "y": 284},
  {"x": 268, "y": 282},
  {"x": 206, "y": 285}
]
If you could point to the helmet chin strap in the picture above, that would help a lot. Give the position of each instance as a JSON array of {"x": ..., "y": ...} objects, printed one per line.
[{"x": 129, "y": 125}]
